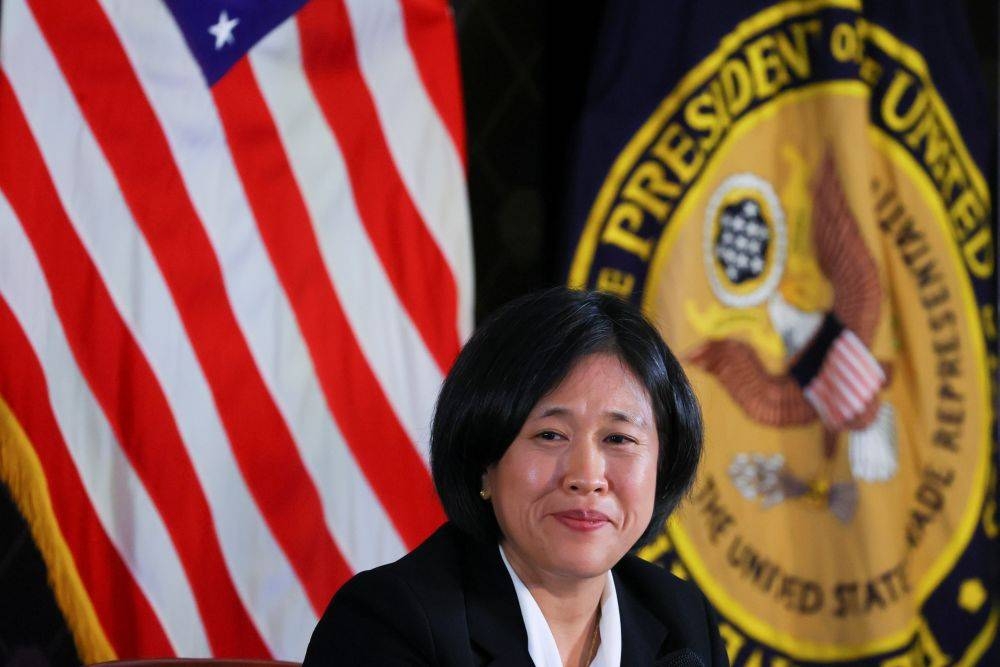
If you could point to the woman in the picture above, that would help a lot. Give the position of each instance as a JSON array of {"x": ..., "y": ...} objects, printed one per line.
[{"x": 564, "y": 436}]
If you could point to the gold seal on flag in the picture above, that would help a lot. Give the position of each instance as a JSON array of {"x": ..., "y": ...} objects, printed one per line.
[{"x": 808, "y": 243}]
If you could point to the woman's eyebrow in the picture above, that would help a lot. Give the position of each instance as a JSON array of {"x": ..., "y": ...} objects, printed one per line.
[
  {"x": 554, "y": 411},
  {"x": 619, "y": 416},
  {"x": 614, "y": 415}
]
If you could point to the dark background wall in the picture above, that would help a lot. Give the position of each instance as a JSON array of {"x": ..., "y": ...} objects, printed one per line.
[{"x": 524, "y": 69}]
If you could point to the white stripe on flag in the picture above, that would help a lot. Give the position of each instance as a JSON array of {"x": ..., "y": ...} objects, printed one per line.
[
  {"x": 390, "y": 341},
  {"x": 174, "y": 84},
  {"x": 853, "y": 367},
  {"x": 89, "y": 193},
  {"x": 863, "y": 358},
  {"x": 845, "y": 365},
  {"x": 422, "y": 149},
  {"x": 850, "y": 403},
  {"x": 120, "y": 500}
]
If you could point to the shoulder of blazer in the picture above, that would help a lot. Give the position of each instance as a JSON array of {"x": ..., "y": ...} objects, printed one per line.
[
  {"x": 397, "y": 613},
  {"x": 472, "y": 606}
]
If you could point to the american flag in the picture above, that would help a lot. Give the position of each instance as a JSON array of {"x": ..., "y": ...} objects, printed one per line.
[{"x": 235, "y": 265}]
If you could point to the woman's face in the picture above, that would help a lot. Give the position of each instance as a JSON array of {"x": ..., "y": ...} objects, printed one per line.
[{"x": 575, "y": 489}]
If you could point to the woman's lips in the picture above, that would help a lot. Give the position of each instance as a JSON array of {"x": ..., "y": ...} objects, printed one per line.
[{"x": 583, "y": 520}]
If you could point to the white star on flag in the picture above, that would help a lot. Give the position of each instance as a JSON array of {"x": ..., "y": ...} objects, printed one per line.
[{"x": 223, "y": 30}]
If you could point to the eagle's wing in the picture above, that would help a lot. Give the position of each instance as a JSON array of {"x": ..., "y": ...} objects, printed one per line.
[
  {"x": 775, "y": 400},
  {"x": 843, "y": 255}
]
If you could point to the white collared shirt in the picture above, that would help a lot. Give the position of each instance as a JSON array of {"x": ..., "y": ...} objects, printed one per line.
[{"x": 542, "y": 645}]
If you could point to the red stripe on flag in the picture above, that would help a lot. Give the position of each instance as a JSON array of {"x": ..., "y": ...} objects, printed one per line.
[
  {"x": 111, "y": 98},
  {"x": 409, "y": 254},
  {"x": 841, "y": 362},
  {"x": 854, "y": 394},
  {"x": 123, "y": 384},
  {"x": 355, "y": 397},
  {"x": 125, "y": 615},
  {"x": 431, "y": 36},
  {"x": 831, "y": 402},
  {"x": 862, "y": 358}
]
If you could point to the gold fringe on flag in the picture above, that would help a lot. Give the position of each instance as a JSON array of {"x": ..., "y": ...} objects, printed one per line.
[{"x": 21, "y": 470}]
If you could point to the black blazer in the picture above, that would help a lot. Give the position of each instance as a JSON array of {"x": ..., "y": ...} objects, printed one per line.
[{"x": 451, "y": 602}]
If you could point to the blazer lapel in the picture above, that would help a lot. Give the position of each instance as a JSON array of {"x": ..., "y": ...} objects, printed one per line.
[
  {"x": 496, "y": 628},
  {"x": 643, "y": 635}
]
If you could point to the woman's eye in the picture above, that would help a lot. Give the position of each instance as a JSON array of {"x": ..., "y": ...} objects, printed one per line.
[
  {"x": 619, "y": 439},
  {"x": 548, "y": 435}
]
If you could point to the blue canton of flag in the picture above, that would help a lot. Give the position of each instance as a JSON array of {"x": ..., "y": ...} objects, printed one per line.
[{"x": 220, "y": 33}]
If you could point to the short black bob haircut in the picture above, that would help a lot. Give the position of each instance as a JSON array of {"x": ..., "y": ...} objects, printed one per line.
[{"x": 519, "y": 354}]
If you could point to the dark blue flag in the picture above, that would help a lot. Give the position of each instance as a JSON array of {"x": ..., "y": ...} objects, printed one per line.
[{"x": 799, "y": 193}]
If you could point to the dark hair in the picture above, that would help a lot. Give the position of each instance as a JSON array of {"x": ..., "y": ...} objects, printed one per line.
[{"x": 516, "y": 357}]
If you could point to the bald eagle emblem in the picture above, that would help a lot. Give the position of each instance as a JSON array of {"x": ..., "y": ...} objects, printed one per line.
[{"x": 819, "y": 286}]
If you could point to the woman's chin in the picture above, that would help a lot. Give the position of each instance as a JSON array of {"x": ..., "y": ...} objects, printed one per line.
[{"x": 583, "y": 564}]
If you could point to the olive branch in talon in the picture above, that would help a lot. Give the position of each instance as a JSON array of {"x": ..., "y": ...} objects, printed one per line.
[{"x": 766, "y": 479}]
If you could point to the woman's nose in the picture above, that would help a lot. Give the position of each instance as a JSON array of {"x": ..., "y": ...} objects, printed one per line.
[{"x": 585, "y": 470}]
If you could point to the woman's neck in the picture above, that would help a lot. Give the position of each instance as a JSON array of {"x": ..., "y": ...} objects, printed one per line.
[
  {"x": 573, "y": 620},
  {"x": 570, "y": 605}
]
